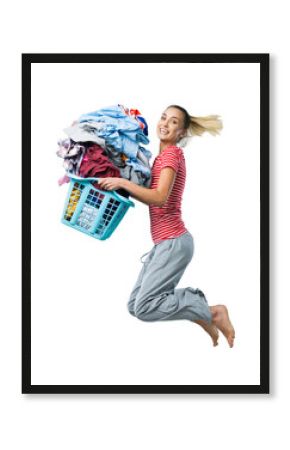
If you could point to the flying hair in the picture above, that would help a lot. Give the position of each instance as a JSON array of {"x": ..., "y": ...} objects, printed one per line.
[{"x": 197, "y": 125}]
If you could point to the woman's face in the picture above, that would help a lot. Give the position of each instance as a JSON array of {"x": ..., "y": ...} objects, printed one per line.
[{"x": 170, "y": 126}]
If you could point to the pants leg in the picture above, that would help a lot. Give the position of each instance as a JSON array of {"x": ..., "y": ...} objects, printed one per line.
[
  {"x": 155, "y": 296},
  {"x": 136, "y": 288}
]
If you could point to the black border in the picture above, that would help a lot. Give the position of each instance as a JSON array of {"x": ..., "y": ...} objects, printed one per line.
[{"x": 261, "y": 58}]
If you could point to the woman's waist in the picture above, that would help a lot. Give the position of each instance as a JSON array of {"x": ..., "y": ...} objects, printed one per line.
[
  {"x": 171, "y": 220},
  {"x": 166, "y": 210}
]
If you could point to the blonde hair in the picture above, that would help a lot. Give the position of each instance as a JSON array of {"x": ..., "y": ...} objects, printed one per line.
[
  {"x": 196, "y": 126},
  {"x": 199, "y": 125}
]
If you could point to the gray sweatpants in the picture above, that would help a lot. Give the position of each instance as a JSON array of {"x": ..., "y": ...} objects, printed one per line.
[{"x": 154, "y": 296}]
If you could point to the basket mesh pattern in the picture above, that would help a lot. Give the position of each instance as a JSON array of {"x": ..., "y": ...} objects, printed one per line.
[
  {"x": 94, "y": 212},
  {"x": 73, "y": 200},
  {"x": 90, "y": 209},
  {"x": 109, "y": 213}
]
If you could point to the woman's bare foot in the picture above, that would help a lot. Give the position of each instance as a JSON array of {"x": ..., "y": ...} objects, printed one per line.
[
  {"x": 210, "y": 329},
  {"x": 220, "y": 318}
]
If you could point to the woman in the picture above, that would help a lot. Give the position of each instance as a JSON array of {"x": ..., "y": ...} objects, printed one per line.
[{"x": 154, "y": 296}]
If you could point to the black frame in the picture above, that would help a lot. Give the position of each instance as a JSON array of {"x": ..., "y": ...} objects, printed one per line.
[{"x": 263, "y": 59}]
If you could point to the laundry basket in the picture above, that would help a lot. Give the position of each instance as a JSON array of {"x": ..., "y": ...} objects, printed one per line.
[{"x": 92, "y": 211}]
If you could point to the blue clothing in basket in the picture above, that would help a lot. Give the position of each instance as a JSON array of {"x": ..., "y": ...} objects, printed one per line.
[{"x": 120, "y": 130}]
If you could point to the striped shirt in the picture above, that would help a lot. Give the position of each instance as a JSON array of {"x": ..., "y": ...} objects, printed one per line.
[{"x": 166, "y": 221}]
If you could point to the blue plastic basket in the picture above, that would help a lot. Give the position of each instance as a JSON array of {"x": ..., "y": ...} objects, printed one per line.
[{"x": 92, "y": 211}]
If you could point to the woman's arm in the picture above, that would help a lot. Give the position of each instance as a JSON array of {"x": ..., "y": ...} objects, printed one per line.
[{"x": 157, "y": 196}]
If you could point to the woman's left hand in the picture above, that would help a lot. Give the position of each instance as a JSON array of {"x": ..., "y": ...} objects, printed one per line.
[{"x": 111, "y": 184}]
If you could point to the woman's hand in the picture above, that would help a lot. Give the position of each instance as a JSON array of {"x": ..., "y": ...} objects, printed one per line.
[{"x": 111, "y": 184}]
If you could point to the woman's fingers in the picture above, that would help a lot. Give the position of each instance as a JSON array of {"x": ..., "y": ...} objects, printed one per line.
[
  {"x": 111, "y": 184},
  {"x": 105, "y": 183}
]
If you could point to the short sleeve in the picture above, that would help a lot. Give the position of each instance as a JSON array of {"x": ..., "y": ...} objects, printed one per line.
[{"x": 170, "y": 158}]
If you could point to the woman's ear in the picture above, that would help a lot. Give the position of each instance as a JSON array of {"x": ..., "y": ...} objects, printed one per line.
[{"x": 182, "y": 133}]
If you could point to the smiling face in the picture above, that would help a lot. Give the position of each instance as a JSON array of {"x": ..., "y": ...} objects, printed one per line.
[{"x": 170, "y": 126}]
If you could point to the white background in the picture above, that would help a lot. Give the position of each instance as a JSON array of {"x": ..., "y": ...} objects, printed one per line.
[
  {"x": 92, "y": 421},
  {"x": 80, "y": 286}
]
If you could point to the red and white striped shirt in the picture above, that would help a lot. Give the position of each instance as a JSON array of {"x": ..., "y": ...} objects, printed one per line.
[{"x": 166, "y": 221}]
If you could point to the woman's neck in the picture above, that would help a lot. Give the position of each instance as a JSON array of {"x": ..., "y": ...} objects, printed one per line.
[{"x": 164, "y": 145}]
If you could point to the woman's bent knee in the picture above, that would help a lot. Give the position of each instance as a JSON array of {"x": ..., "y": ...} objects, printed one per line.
[
  {"x": 131, "y": 306},
  {"x": 142, "y": 313}
]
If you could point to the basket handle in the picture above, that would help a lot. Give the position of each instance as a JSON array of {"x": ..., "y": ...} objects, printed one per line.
[
  {"x": 119, "y": 197},
  {"x": 76, "y": 177}
]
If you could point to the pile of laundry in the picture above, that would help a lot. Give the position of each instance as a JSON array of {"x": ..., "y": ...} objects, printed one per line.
[{"x": 107, "y": 143}]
